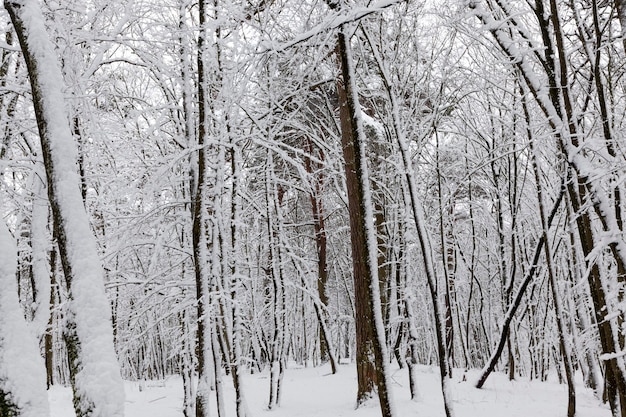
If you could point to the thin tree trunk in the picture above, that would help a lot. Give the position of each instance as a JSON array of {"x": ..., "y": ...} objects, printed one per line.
[
  {"x": 447, "y": 257},
  {"x": 413, "y": 340},
  {"x": 235, "y": 277},
  {"x": 198, "y": 231},
  {"x": 318, "y": 307},
  {"x": 274, "y": 271},
  {"x": 48, "y": 337},
  {"x": 40, "y": 244},
  {"x": 217, "y": 369},
  {"x": 558, "y": 309},
  {"x": 234, "y": 328},
  {"x": 507, "y": 283}
]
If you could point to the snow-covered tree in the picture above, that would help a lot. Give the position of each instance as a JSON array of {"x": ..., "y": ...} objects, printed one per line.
[{"x": 94, "y": 371}]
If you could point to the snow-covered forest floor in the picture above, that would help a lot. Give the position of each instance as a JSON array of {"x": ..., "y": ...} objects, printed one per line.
[{"x": 314, "y": 392}]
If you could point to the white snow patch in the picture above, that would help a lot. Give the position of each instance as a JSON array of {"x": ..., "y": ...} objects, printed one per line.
[{"x": 314, "y": 392}]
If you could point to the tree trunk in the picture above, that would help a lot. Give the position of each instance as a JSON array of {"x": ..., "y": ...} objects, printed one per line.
[
  {"x": 217, "y": 368},
  {"x": 371, "y": 350},
  {"x": 447, "y": 257},
  {"x": 89, "y": 333},
  {"x": 55, "y": 300},
  {"x": 275, "y": 273},
  {"x": 199, "y": 244},
  {"x": 594, "y": 379},
  {"x": 237, "y": 327}
]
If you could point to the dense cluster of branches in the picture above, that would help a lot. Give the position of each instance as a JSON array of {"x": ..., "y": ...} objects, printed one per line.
[{"x": 280, "y": 182}]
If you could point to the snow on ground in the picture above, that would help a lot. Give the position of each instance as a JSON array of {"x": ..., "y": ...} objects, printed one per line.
[{"x": 314, "y": 392}]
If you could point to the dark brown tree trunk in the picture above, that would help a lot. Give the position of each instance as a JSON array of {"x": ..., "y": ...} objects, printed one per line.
[
  {"x": 370, "y": 338},
  {"x": 198, "y": 231},
  {"x": 614, "y": 378},
  {"x": 366, "y": 368}
]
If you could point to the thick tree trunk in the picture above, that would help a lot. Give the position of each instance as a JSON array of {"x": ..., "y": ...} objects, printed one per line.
[
  {"x": 186, "y": 366},
  {"x": 371, "y": 355},
  {"x": 89, "y": 333},
  {"x": 366, "y": 368},
  {"x": 614, "y": 377}
]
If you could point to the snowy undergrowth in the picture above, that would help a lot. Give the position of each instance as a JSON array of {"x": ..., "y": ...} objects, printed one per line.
[{"x": 314, "y": 392}]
